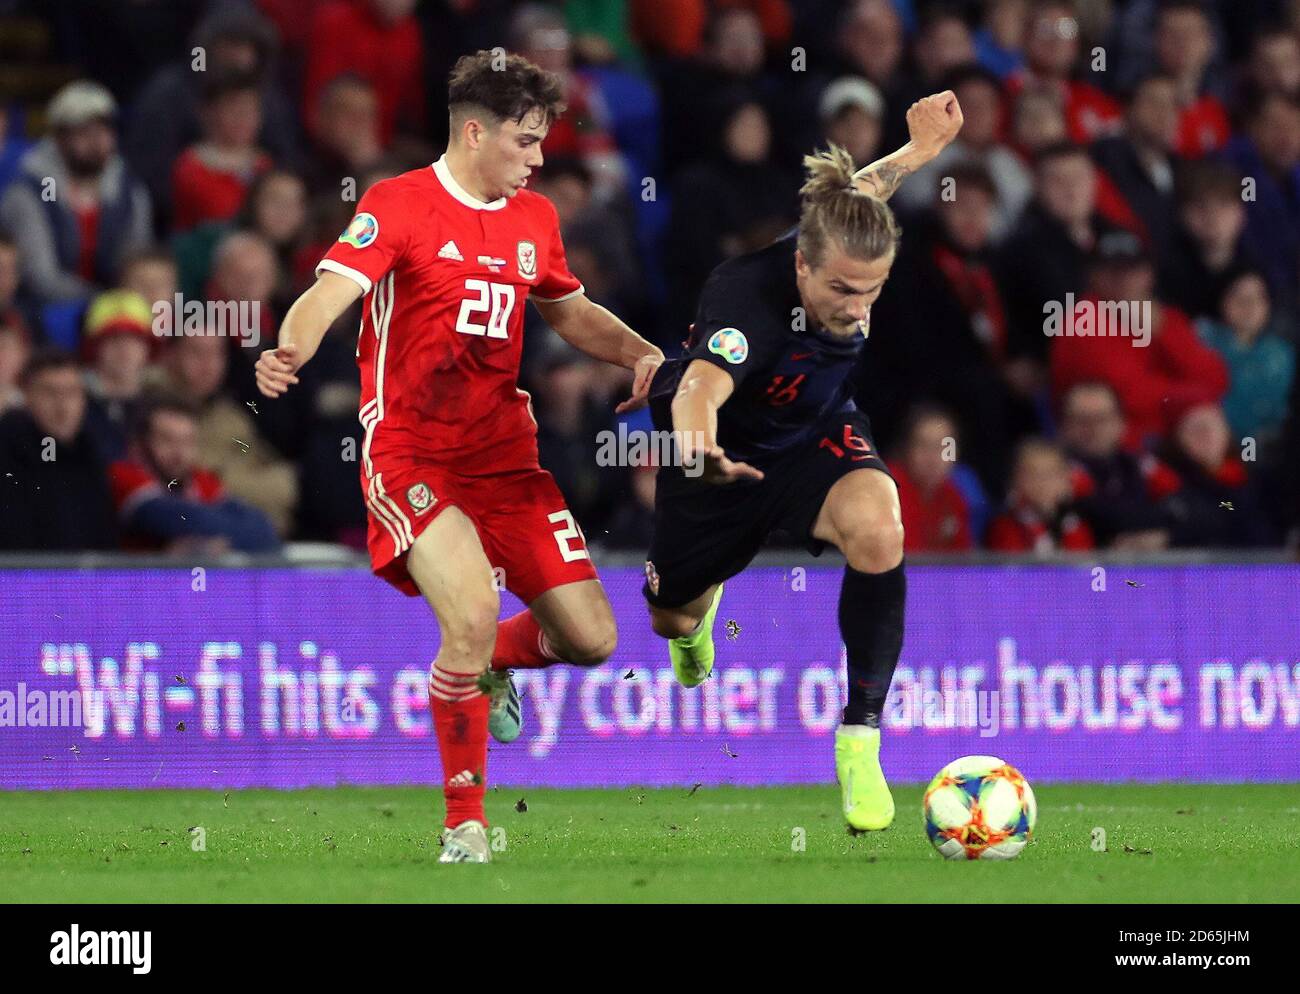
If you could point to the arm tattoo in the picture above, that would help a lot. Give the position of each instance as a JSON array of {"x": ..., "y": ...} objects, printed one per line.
[{"x": 885, "y": 179}]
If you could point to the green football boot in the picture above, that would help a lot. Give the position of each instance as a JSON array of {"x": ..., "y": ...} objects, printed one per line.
[
  {"x": 868, "y": 805},
  {"x": 692, "y": 654}
]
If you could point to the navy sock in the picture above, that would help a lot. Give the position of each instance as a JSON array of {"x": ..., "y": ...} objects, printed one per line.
[{"x": 871, "y": 624}]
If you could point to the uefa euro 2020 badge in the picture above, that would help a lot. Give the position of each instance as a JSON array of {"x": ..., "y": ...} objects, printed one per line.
[
  {"x": 731, "y": 344},
  {"x": 363, "y": 230},
  {"x": 420, "y": 498}
]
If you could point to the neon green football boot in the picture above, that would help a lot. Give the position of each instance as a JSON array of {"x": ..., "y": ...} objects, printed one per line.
[
  {"x": 868, "y": 805},
  {"x": 692, "y": 654}
]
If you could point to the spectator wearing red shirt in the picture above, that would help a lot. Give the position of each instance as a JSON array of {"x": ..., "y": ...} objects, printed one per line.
[
  {"x": 1171, "y": 370},
  {"x": 380, "y": 41},
  {"x": 168, "y": 502},
  {"x": 936, "y": 517},
  {"x": 1040, "y": 516},
  {"x": 1184, "y": 46},
  {"x": 1052, "y": 54},
  {"x": 212, "y": 176}
]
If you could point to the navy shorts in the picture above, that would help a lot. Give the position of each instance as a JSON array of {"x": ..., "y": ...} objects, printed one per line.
[{"x": 705, "y": 533}]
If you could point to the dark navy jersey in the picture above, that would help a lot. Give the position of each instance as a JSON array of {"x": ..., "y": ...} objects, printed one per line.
[{"x": 789, "y": 375}]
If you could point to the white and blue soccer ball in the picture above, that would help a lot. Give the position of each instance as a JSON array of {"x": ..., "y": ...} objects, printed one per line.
[{"x": 979, "y": 807}]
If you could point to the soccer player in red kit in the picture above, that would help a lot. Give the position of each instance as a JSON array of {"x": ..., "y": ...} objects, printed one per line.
[{"x": 446, "y": 257}]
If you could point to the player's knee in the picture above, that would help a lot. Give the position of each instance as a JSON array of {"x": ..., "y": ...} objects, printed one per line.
[
  {"x": 875, "y": 545},
  {"x": 595, "y": 645},
  {"x": 672, "y": 624},
  {"x": 470, "y": 638}
]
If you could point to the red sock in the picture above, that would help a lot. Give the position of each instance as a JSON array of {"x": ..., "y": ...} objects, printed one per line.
[
  {"x": 522, "y": 645},
  {"x": 460, "y": 718}
]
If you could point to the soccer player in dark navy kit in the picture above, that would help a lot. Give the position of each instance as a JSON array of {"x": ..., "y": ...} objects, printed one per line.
[{"x": 770, "y": 438}]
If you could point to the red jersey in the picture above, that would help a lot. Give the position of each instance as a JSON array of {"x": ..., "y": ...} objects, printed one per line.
[{"x": 446, "y": 277}]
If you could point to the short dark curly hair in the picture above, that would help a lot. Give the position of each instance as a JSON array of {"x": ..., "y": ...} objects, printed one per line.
[{"x": 508, "y": 87}]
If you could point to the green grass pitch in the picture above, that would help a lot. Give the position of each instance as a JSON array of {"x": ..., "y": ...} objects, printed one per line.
[{"x": 1207, "y": 844}]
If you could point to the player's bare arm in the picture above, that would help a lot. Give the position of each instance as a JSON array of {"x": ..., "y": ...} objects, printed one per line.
[
  {"x": 593, "y": 329},
  {"x": 932, "y": 122},
  {"x": 304, "y": 326},
  {"x": 704, "y": 389}
]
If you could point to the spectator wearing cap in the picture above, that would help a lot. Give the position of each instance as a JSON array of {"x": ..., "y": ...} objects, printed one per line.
[
  {"x": 1215, "y": 502},
  {"x": 979, "y": 93},
  {"x": 117, "y": 346},
  {"x": 54, "y": 492},
  {"x": 211, "y": 178},
  {"x": 76, "y": 239},
  {"x": 165, "y": 116},
  {"x": 852, "y": 114},
  {"x": 936, "y": 515},
  {"x": 167, "y": 501},
  {"x": 1268, "y": 151},
  {"x": 380, "y": 41},
  {"x": 1040, "y": 516},
  {"x": 1152, "y": 369},
  {"x": 1260, "y": 360},
  {"x": 1051, "y": 62},
  {"x": 1116, "y": 491},
  {"x": 229, "y": 441}
]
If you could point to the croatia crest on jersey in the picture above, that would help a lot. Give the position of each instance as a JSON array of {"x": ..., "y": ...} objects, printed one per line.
[
  {"x": 731, "y": 344},
  {"x": 363, "y": 230},
  {"x": 527, "y": 254}
]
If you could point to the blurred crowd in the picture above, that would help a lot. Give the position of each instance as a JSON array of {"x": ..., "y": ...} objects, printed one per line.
[{"x": 1145, "y": 151}]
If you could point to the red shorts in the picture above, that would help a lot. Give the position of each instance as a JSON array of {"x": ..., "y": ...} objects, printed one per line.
[{"x": 528, "y": 533}]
